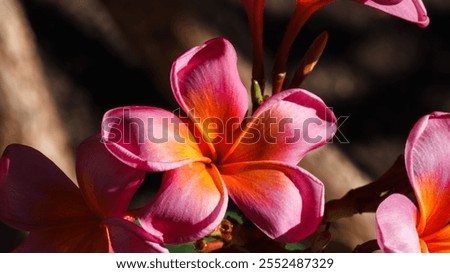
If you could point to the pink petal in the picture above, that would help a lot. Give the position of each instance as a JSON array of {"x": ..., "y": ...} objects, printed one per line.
[
  {"x": 410, "y": 10},
  {"x": 396, "y": 219},
  {"x": 285, "y": 128},
  {"x": 81, "y": 237},
  {"x": 35, "y": 193},
  {"x": 149, "y": 138},
  {"x": 107, "y": 184},
  {"x": 427, "y": 156},
  {"x": 207, "y": 86},
  {"x": 127, "y": 237},
  {"x": 285, "y": 202},
  {"x": 190, "y": 203}
]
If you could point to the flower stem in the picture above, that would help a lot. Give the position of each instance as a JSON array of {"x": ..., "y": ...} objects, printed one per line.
[{"x": 303, "y": 11}]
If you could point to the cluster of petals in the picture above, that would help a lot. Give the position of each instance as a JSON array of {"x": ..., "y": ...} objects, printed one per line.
[
  {"x": 37, "y": 197},
  {"x": 215, "y": 152},
  {"x": 401, "y": 225}
]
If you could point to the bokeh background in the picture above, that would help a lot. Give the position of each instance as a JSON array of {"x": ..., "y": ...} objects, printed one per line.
[{"x": 88, "y": 56}]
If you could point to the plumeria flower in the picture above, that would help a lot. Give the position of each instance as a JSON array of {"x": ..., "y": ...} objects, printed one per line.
[
  {"x": 401, "y": 226},
  {"x": 36, "y": 196},
  {"x": 217, "y": 152}
]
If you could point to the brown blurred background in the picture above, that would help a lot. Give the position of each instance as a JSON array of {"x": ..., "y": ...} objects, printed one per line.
[{"x": 64, "y": 63}]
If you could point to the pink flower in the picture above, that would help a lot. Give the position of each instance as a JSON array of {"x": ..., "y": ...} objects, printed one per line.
[
  {"x": 216, "y": 152},
  {"x": 36, "y": 196},
  {"x": 401, "y": 227}
]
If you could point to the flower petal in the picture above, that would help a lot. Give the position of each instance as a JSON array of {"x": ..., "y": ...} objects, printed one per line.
[
  {"x": 410, "y": 10},
  {"x": 190, "y": 203},
  {"x": 35, "y": 193},
  {"x": 107, "y": 184},
  {"x": 439, "y": 241},
  {"x": 427, "y": 156},
  {"x": 396, "y": 219},
  {"x": 127, "y": 237},
  {"x": 149, "y": 138},
  {"x": 207, "y": 86},
  {"x": 82, "y": 237},
  {"x": 285, "y": 128},
  {"x": 285, "y": 202}
]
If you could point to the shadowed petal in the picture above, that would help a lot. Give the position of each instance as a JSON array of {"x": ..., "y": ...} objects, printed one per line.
[
  {"x": 410, "y": 10},
  {"x": 35, "y": 193},
  {"x": 285, "y": 202},
  {"x": 285, "y": 128},
  {"x": 81, "y": 237},
  {"x": 149, "y": 138},
  {"x": 127, "y": 237},
  {"x": 190, "y": 203},
  {"x": 207, "y": 86},
  {"x": 107, "y": 184},
  {"x": 396, "y": 219},
  {"x": 427, "y": 156}
]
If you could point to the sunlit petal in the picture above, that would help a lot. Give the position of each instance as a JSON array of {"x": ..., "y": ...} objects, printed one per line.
[
  {"x": 207, "y": 86},
  {"x": 190, "y": 203},
  {"x": 285, "y": 202},
  {"x": 427, "y": 156},
  {"x": 285, "y": 128},
  {"x": 149, "y": 138},
  {"x": 396, "y": 219}
]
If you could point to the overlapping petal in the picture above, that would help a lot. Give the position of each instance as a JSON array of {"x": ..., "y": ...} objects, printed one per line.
[
  {"x": 206, "y": 84},
  {"x": 33, "y": 189},
  {"x": 427, "y": 156},
  {"x": 190, "y": 203},
  {"x": 108, "y": 185},
  {"x": 396, "y": 219},
  {"x": 284, "y": 201},
  {"x": 410, "y": 10},
  {"x": 148, "y": 138},
  {"x": 285, "y": 128},
  {"x": 127, "y": 237},
  {"x": 438, "y": 241}
]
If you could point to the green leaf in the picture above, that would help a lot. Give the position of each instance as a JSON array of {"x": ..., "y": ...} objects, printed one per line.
[
  {"x": 235, "y": 216},
  {"x": 182, "y": 248}
]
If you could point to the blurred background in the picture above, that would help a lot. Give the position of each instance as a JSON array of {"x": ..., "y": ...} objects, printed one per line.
[{"x": 64, "y": 63}]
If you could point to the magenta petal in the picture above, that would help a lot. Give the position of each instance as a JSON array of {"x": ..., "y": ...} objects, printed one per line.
[
  {"x": 79, "y": 236},
  {"x": 107, "y": 184},
  {"x": 127, "y": 237},
  {"x": 427, "y": 155},
  {"x": 285, "y": 202},
  {"x": 35, "y": 193},
  {"x": 285, "y": 128},
  {"x": 410, "y": 10},
  {"x": 149, "y": 138},
  {"x": 396, "y": 219},
  {"x": 190, "y": 203},
  {"x": 206, "y": 83}
]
